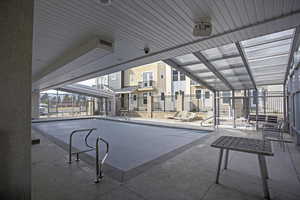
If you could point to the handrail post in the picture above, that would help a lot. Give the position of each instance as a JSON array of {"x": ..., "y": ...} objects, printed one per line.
[
  {"x": 70, "y": 142},
  {"x": 99, "y": 167}
]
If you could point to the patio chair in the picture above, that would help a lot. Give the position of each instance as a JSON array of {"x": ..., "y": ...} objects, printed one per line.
[{"x": 275, "y": 133}]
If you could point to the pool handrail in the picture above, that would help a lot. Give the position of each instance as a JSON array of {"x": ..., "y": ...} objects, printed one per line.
[
  {"x": 99, "y": 166},
  {"x": 89, "y": 130}
]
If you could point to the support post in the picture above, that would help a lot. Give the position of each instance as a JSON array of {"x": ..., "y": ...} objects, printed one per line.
[
  {"x": 233, "y": 108},
  {"x": 56, "y": 103},
  {"x": 284, "y": 104},
  {"x": 215, "y": 110},
  {"x": 149, "y": 105},
  {"x": 256, "y": 108},
  {"x": 218, "y": 108}
]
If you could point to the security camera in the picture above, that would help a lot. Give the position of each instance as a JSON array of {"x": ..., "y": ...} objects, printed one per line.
[{"x": 146, "y": 50}]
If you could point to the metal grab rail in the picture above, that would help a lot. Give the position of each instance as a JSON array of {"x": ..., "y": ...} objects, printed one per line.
[
  {"x": 91, "y": 148},
  {"x": 99, "y": 166},
  {"x": 206, "y": 119}
]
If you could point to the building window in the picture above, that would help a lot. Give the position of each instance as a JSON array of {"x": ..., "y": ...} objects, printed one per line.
[
  {"x": 182, "y": 76},
  {"x": 175, "y": 75},
  {"x": 226, "y": 97},
  {"x": 145, "y": 98},
  {"x": 162, "y": 96},
  {"x": 198, "y": 94},
  {"x": 207, "y": 95}
]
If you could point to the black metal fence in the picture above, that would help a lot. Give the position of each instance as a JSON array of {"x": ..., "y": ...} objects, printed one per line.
[{"x": 69, "y": 105}]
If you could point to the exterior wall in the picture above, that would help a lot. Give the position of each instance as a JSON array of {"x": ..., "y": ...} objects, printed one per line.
[
  {"x": 133, "y": 76},
  {"x": 15, "y": 103},
  {"x": 115, "y": 80}
]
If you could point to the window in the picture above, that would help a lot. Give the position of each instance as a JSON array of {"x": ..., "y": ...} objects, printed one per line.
[
  {"x": 162, "y": 96},
  {"x": 175, "y": 75},
  {"x": 207, "y": 95},
  {"x": 198, "y": 94},
  {"x": 226, "y": 99},
  {"x": 182, "y": 76},
  {"x": 147, "y": 76},
  {"x": 145, "y": 98},
  {"x": 147, "y": 79}
]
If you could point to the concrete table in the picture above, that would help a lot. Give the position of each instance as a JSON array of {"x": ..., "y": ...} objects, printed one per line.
[{"x": 260, "y": 147}]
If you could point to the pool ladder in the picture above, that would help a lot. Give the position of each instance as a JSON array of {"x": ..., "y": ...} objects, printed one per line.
[{"x": 99, "y": 165}]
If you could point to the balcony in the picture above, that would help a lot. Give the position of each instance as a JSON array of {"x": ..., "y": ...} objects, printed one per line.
[{"x": 146, "y": 85}]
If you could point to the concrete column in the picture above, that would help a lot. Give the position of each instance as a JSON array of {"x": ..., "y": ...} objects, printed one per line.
[
  {"x": 149, "y": 105},
  {"x": 16, "y": 24},
  {"x": 35, "y": 104}
]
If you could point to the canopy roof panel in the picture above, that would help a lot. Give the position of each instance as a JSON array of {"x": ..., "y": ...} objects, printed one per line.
[
  {"x": 246, "y": 64},
  {"x": 268, "y": 56}
]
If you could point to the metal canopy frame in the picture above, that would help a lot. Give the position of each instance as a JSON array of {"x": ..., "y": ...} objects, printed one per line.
[
  {"x": 243, "y": 64},
  {"x": 213, "y": 69},
  {"x": 295, "y": 43},
  {"x": 237, "y": 44}
]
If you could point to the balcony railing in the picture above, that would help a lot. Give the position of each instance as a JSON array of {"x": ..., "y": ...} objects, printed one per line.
[{"x": 146, "y": 84}]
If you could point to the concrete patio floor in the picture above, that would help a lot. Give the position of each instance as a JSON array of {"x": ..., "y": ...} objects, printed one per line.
[{"x": 189, "y": 175}]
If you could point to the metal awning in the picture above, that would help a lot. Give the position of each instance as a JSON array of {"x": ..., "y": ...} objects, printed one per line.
[
  {"x": 126, "y": 90},
  {"x": 242, "y": 65},
  {"x": 87, "y": 90}
]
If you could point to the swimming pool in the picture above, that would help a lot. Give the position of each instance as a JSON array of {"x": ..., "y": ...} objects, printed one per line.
[{"x": 133, "y": 147}]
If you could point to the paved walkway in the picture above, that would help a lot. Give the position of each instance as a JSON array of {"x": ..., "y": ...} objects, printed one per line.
[{"x": 189, "y": 175}]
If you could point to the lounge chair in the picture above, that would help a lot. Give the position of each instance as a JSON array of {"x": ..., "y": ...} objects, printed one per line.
[
  {"x": 189, "y": 117},
  {"x": 173, "y": 116}
]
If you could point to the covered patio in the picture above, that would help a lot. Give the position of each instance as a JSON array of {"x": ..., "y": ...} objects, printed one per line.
[{"x": 251, "y": 44}]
